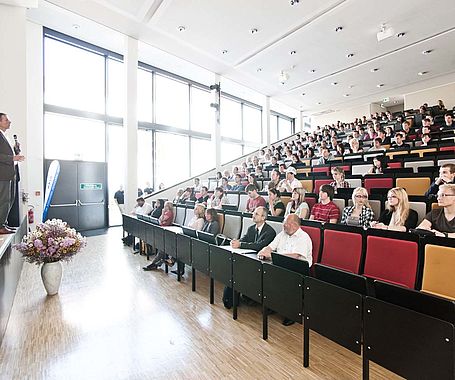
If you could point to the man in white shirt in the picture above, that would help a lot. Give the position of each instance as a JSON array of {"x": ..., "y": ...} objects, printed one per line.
[
  {"x": 292, "y": 241},
  {"x": 290, "y": 182},
  {"x": 142, "y": 208}
]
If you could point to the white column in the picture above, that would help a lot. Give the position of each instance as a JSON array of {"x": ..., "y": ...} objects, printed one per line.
[
  {"x": 266, "y": 119},
  {"x": 301, "y": 121},
  {"x": 35, "y": 131},
  {"x": 13, "y": 79},
  {"x": 130, "y": 122},
  {"x": 216, "y": 136}
]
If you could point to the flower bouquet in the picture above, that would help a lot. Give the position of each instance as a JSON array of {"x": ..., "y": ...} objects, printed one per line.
[{"x": 50, "y": 243}]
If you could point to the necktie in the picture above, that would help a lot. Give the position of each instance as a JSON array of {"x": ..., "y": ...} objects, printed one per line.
[{"x": 256, "y": 236}]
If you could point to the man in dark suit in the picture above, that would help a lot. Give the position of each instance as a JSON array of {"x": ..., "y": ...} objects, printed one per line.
[
  {"x": 7, "y": 175},
  {"x": 258, "y": 236}
]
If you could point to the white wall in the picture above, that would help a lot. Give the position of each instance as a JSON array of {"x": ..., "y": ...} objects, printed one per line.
[
  {"x": 396, "y": 108},
  {"x": 344, "y": 115},
  {"x": 13, "y": 79},
  {"x": 431, "y": 96}
]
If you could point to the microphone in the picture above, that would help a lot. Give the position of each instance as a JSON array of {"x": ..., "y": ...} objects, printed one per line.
[{"x": 17, "y": 145}]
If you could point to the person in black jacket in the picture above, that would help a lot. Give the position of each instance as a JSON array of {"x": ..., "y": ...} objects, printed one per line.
[
  {"x": 258, "y": 236},
  {"x": 211, "y": 224},
  {"x": 446, "y": 176}
]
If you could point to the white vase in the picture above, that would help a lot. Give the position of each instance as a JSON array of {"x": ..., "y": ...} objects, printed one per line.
[{"x": 51, "y": 274}]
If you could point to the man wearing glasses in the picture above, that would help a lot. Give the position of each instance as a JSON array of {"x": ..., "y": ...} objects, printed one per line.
[
  {"x": 446, "y": 175},
  {"x": 441, "y": 221}
]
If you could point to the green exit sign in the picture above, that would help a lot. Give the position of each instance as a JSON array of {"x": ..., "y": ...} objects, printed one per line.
[{"x": 91, "y": 186}]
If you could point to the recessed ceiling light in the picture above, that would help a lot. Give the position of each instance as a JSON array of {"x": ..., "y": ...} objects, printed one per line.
[
  {"x": 351, "y": 86},
  {"x": 338, "y": 29},
  {"x": 422, "y": 73},
  {"x": 319, "y": 103},
  {"x": 312, "y": 71},
  {"x": 380, "y": 85},
  {"x": 425, "y": 52},
  {"x": 374, "y": 70},
  {"x": 181, "y": 28},
  {"x": 293, "y": 52},
  {"x": 346, "y": 95},
  {"x": 259, "y": 69},
  {"x": 303, "y": 94},
  {"x": 350, "y": 55},
  {"x": 76, "y": 26},
  {"x": 334, "y": 83},
  {"x": 294, "y": 2},
  {"x": 401, "y": 34},
  {"x": 224, "y": 52},
  {"x": 254, "y": 30}
]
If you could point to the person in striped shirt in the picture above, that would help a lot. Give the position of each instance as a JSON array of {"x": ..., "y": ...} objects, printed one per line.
[{"x": 325, "y": 211}]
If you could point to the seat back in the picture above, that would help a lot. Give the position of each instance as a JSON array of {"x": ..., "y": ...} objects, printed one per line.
[
  {"x": 392, "y": 260},
  {"x": 319, "y": 182},
  {"x": 415, "y": 165},
  {"x": 422, "y": 151},
  {"x": 233, "y": 199},
  {"x": 340, "y": 203},
  {"x": 189, "y": 213},
  {"x": 246, "y": 223},
  {"x": 420, "y": 208},
  {"x": 243, "y": 199},
  {"x": 354, "y": 182},
  {"x": 346, "y": 256},
  {"x": 277, "y": 226},
  {"x": 438, "y": 277},
  {"x": 221, "y": 221},
  {"x": 307, "y": 184},
  {"x": 321, "y": 169},
  {"x": 315, "y": 233},
  {"x": 232, "y": 225},
  {"x": 414, "y": 186},
  {"x": 382, "y": 183},
  {"x": 180, "y": 215},
  {"x": 360, "y": 169}
]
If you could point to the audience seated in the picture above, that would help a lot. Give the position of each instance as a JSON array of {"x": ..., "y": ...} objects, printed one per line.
[
  {"x": 290, "y": 182},
  {"x": 275, "y": 205},
  {"x": 355, "y": 146},
  {"x": 218, "y": 199},
  {"x": 325, "y": 211},
  {"x": 254, "y": 199},
  {"x": 399, "y": 142},
  {"x": 378, "y": 165},
  {"x": 360, "y": 213},
  {"x": 238, "y": 183},
  {"x": 158, "y": 210},
  {"x": 274, "y": 179},
  {"x": 448, "y": 118},
  {"x": 397, "y": 216},
  {"x": 297, "y": 204},
  {"x": 446, "y": 176},
  {"x": 197, "y": 185},
  {"x": 225, "y": 184},
  {"x": 203, "y": 195},
  {"x": 339, "y": 179},
  {"x": 442, "y": 220},
  {"x": 211, "y": 224}
]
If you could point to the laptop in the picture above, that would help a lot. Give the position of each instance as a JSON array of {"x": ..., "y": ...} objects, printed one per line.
[
  {"x": 294, "y": 265},
  {"x": 207, "y": 237},
  {"x": 189, "y": 232}
]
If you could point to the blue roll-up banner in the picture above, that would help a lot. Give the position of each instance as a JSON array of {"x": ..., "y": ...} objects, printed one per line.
[{"x": 52, "y": 176}]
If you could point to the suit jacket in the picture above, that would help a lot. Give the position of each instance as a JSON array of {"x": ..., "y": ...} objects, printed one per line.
[
  {"x": 265, "y": 238},
  {"x": 7, "y": 171},
  {"x": 211, "y": 227}
]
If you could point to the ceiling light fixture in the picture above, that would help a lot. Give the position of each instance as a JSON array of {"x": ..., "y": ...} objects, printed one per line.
[
  {"x": 384, "y": 32},
  {"x": 312, "y": 71},
  {"x": 319, "y": 103},
  {"x": 259, "y": 69},
  {"x": 422, "y": 73},
  {"x": 293, "y": 52},
  {"x": 401, "y": 34},
  {"x": 254, "y": 31},
  {"x": 303, "y": 94},
  {"x": 380, "y": 85},
  {"x": 425, "y": 52},
  {"x": 351, "y": 86},
  {"x": 76, "y": 26},
  {"x": 224, "y": 52},
  {"x": 334, "y": 83},
  {"x": 283, "y": 77},
  {"x": 294, "y": 2},
  {"x": 181, "y": 28},
  {"x": 346, "y": 95},
  {"x": 350, "y": 55},
  {"x": 374, "y": 70},
  {"x": 338, "y": 29}
]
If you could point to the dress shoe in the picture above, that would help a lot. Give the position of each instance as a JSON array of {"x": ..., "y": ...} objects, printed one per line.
[
  {"x": 288, "y": 322},
  {"x": 5, "y": 231},
  {"x": 150, "y": 267}
]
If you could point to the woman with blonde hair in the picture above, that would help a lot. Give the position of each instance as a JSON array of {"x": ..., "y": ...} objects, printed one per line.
[
  {"x": 339, "y": 180},
  {"x": 397, "y": 216},
  {"x": 355, "y": 146},
  {"x": 360, "y": 213},
  {"x": 197, "y": 221},
  {"x": 297, "y": 204}
]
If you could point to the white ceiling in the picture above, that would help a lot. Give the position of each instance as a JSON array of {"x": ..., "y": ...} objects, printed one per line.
[{"x": 307, "y": 28}]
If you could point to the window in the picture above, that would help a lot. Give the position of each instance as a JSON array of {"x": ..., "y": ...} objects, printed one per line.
[
  {"x": 231, "y": 119},
  {"x": 73, "y": 77},
  {"x": 230, "y": 151},
  {"x": 172, "y": 155},
  {"x": 172, "y": 102},
  {"x": 115, "y": 88},
  {"x": 144, "y": 157},
  {"x": 202, "y": 156},
  {"x": 144, "y": 95},
  {"x": 273, "y": 129},
  {"x": 202, "y": 115},
  {"x": 252, "y": 125},
  {"x": 284, "y": 128},
  {"x": 73, "y": 138}
]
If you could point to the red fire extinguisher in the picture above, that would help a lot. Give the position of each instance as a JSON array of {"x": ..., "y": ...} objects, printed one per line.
[{"x": 31, "y": 214}]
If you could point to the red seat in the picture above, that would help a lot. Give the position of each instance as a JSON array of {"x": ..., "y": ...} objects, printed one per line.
[
  {"x": 315, "y": 236},
  {"x": 321, "y": 169},
  {"x": 319, "y": 182},
  {"x": 383, "y": 183},
  {"x": 392, "y": 260},
  {"x": 447, "y": 148},
  {"x": 394, "y": 165},
  {"x": 311, "y": 201},
  {"x": 342, "y": 250}
]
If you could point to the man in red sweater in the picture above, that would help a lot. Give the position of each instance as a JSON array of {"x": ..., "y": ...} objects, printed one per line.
[{"x": 255, "y": 199}]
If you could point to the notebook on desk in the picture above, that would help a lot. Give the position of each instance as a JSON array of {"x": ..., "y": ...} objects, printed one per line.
[
  {"x": 294, "y": 265},
  {"x": 213, "y": 239},
  {"x": 155, "y": 221},
  {"x": 189, "y": 232}
]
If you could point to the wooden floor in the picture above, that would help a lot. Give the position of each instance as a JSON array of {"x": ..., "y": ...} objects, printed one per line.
[{"x": 111, "y": 320}]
